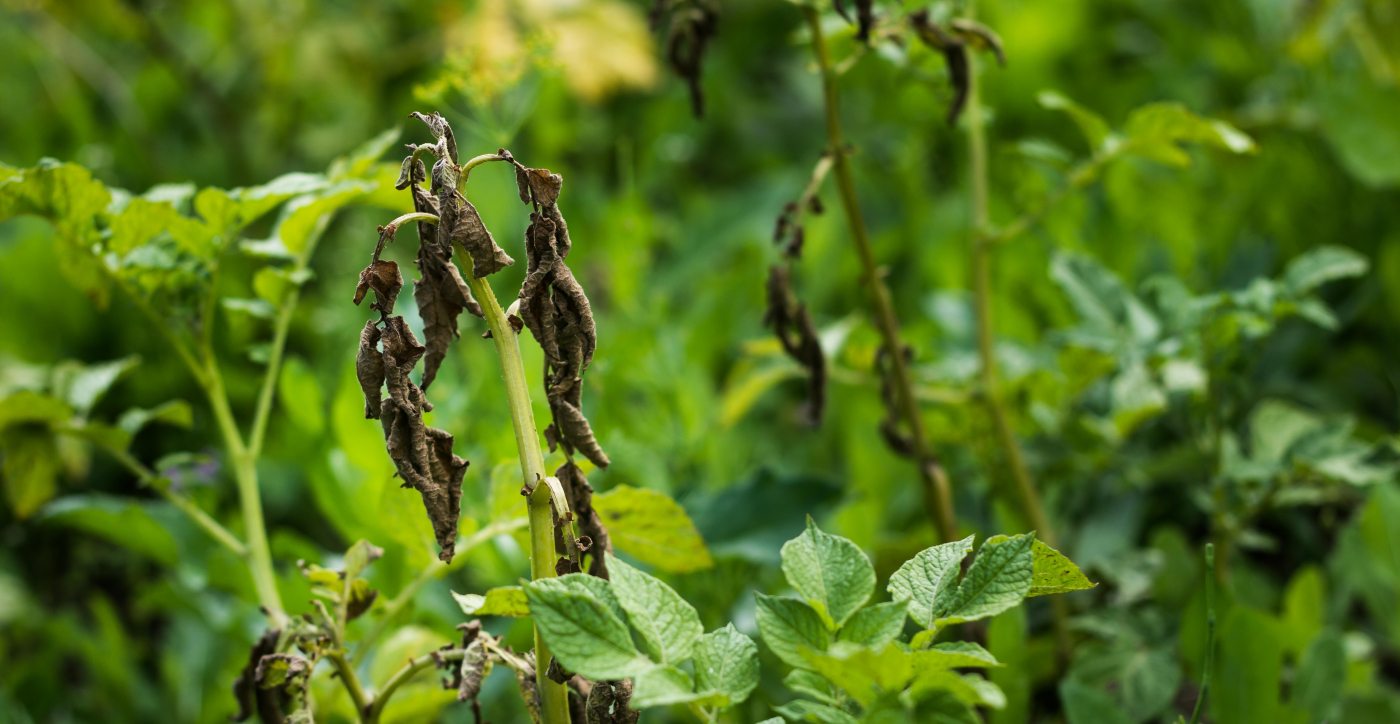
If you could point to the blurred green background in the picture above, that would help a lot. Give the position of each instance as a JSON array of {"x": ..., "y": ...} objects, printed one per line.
[{"x": 136, "y": 617}]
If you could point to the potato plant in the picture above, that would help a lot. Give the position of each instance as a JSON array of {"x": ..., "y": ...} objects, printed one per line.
[{"x": 585, "y": 470}]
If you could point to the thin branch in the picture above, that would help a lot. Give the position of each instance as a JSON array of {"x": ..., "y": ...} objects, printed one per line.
[
  {"x": 151, "y": 479},
  {"x": 434, "y": 570},
  {"x": 405, "y": 674},
  {"x": 936, "y": 489}
]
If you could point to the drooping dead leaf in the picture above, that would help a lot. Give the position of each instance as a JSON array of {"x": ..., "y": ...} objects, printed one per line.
[
  {"x": 556, "y": 310},
  {"x": 692, "y": 25},
  {"x": 792, "y": 325},
  {"x": 383, "y": 278},
  {"x": 369, "y": 368}
]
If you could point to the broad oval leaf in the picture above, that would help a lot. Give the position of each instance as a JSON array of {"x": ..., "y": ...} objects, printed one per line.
[
  {"x": 651, "y": 527},
  {"x": 999, "y": 578},
  {"x": 669, "y": 625},
  {"x": 500, "y": 601},
  {"x": 926, "y": 581},
  {"x": 582, "y": 629},
  {"x": 789, "y": 627},
  {"x": 1052, "y": 572},
  {"x": 831, "y": 572},
  {"x": 726, "y": 666}
]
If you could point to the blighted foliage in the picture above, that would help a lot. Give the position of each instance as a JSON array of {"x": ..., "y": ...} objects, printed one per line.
[
  {"x": 388, "y": 352},
  {"x": 593, "y": 535},
  {"x": 275, "y": 683},
  {"x": 865, "y": 16},
  {"x": 954, "y": 41},
  {"x": 690, "y": 26},
  {"x": 554, "y": 307},
  {"x": 788, "y": 317}
]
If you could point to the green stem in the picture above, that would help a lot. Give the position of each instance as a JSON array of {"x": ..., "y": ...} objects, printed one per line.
[
  {"x": 258, "y": 431},
  {"x": 989, "y": 378},
  {"x": 245, "y": 475},
  {"x": 373, "y": 710},
  {"x": 436, "y": 569},
  {"x": 937, "y": 491},
  {"x": 351, "y": 681},
  {"x": 1210, "y": 636},
  {"x": 1027, "y": 496},
  {"x": 150, "y": 479},
  {"x": 554, "y": 697}
]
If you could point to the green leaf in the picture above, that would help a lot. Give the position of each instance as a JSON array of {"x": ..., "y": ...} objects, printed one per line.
[
  {"x": 83, "y": 385},
  {"x": 27, "y": 406},
  {"x": 875, "y": 625},
  {"x": 501, "y": 601},
  {"x": 955, "y": 655},
  {"x": 174, "y": 412},
  {"x": 301, "y": 397},
  {"x": 1357, "y": 117},
  {"x": 582, "y": 629},
  {"x": 927, "y": 581},
  {"x": 122, "y": 521},
  {"x": 662, "y": 686},
  {"x": 29, "y": 462},
  {"x": 1249, "y": 667},
  {"x": 1110, "y": 313},
  {"x": 651, "y": 527},
  {"x": 1321, "y": 265},
  {"x": 306, "y": 216},
  {"x": 1090, "y": 124},
  {"x": 359, "y": 556},
  {"x": 726, "y": 666},
  {"x": 811, "y": 711},
  {"x": 811, "y": 684},
  {"x": 1052, "y": 572},
  {"x": 669, "y": 626},
  {"x": 789, "y": 627},
  {"x": 72, "y": 200},
  {"x": 831, "y": 572},
  {"x": 1155, "y": 130},
  {"x": 1321, "y": 678},
  {"x": 1086, "y": 705},
  {"x": 864, "y": 673},
  {"x": 999, "y": 578}
]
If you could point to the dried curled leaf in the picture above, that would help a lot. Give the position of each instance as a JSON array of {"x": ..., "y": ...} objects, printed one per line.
[
  {"x": 442, "y": 131},
  {"x": 590, "y": 525},
  {"x": 793, "y": 327},
  {"x": 953, "y": 43},
  {"x": 608, "y": 703},
  {"x": 412, "y": 172},
  {"x": 458, "y": 220},
  {"x": 421, "y": 454},
  {"x": 252, "y": 699},
  {"x": 369, "y": 368},
  {"x": 898, "y": 441},
  {"x": 556, "y": 310},
  {"x": 692, "y": 25},
  {"x": 384, "y": 279},
  {"x": 441, "y": 294}
]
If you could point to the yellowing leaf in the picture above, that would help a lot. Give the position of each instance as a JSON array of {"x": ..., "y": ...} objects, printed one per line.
[{"x": 651, "y": 527}]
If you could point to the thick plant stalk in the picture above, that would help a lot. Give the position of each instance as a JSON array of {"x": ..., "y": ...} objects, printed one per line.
[
  {"x": 937, "y": 491},
  {"x": 554, "y": 697},
  {"x": 1027, "y": 497}
]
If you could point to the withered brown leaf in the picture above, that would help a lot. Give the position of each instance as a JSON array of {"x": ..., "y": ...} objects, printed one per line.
[
  {"x": 590, "y": 524},
  {"x": 422, "y": 455},
  {"x": 369, "y": 368},
  {"x": 792, "y": 325},
  {"x": 381, "y": 276},
  {"x": 252, "y": 699},
  {"x": 555, "y": 308},
  {"x": 608, "y": 703},
  {"x": 692, "y": 25}
]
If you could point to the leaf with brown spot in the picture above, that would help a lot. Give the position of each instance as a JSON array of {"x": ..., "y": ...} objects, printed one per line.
[
  {"x": 441, "y": 130},
  {"x": 251, "y": 698}
]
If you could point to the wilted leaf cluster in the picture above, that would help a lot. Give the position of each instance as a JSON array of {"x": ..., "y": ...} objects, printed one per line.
[
  {"x": 954, "y": 41},
  {"x": 554, "y": 307},
  {"x": 785, "y": 314},
  {"x": 690, "y": 26}
]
